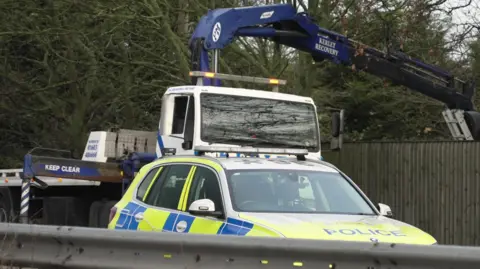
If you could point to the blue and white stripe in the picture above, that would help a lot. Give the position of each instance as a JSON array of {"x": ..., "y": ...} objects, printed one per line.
[{"x": 25, "y": 200}]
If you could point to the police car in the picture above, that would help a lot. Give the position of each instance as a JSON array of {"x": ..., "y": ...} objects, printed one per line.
[{"x": 243, "y": 196}]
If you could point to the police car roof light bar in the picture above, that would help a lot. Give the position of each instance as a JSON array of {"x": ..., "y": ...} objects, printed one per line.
[
  {"x": 258, "y": 80},
  {"x": 249, "y": 150}
]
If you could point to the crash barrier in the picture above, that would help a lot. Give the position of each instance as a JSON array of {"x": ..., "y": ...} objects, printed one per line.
[{"x": 39, "y": 246}]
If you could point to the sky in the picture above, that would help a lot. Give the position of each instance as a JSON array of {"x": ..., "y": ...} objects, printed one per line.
[{"x": 462, "y": 16}]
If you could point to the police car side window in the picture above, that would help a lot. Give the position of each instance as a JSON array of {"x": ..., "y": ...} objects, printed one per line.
[
  {"x": 147, "y": 180},
  {"x": 205, "y": 185},
  {"x": 166, "y": 190}
]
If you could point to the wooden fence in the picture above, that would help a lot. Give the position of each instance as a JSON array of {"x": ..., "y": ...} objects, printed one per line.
[{"x": 432, "y": 185}]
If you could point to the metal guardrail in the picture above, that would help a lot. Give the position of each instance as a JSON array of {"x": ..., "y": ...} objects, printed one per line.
[{"x": 38, "y": 246}]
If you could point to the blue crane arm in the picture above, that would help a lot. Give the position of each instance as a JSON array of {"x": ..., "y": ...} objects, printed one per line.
[{"x": 283, "y": 25}]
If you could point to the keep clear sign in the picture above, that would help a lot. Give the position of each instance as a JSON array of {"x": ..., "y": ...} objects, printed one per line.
[{"x": 327, "y": 46}]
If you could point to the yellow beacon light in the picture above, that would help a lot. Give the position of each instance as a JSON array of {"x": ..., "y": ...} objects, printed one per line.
[
  {"x": 274, "y": 81},
  {"x": 201, "y": 74},
  {"x": 271, "y": 81}
]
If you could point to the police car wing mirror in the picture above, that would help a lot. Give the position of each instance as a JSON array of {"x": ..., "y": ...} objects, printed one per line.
[
  {"x": 203, "y": 207},
  {"x": 385, "y": 210}
]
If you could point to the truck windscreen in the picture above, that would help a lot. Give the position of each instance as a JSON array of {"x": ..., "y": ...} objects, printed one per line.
[{"x": 240, "y": 120}]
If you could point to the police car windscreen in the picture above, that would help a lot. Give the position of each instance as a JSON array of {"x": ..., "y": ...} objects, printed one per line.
[
  {"x": 294, "y": 191},
  {"x": 258, "y": 122}
]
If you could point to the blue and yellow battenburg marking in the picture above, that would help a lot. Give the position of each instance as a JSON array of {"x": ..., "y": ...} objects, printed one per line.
[
  {"x": 235, "y": 227},
  {"x": 127, "y": 221}
]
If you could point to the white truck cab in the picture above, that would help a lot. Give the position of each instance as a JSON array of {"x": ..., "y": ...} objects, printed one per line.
[{"x": 222, "y": 116}]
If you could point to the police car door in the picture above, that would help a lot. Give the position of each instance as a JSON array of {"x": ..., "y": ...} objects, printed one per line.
[
  {"x": 205, "y": 185},
  {"x": 163, "y": 199}
]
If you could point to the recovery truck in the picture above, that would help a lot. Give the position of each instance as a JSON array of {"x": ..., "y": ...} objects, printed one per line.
[{"x": 65, "y": 191}]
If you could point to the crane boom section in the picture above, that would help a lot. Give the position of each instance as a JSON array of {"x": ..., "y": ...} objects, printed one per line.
[{"x": 283, "y": 25}]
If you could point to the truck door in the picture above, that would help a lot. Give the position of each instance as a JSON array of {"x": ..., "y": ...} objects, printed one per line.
[{"x": 176, "y": 128}]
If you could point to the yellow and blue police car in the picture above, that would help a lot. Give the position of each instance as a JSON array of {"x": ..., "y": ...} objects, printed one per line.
[{"x": 244, "y": 196}]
